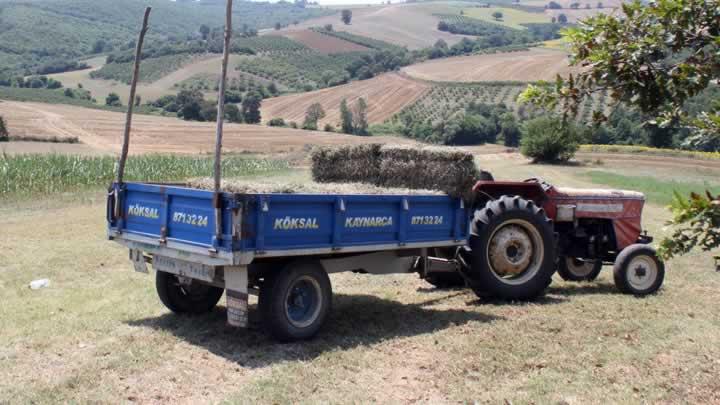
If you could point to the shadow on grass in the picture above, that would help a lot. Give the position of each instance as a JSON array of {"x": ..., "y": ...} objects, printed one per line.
[
  {"x": 355, "y": 320},
  {"x": 589, "y": 288}
]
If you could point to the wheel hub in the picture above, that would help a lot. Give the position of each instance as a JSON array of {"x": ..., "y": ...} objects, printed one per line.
[
  {"x": 510, "y": 251},
  {"x": 642, "y": 272},
  {"x": 579, "y": 267}
]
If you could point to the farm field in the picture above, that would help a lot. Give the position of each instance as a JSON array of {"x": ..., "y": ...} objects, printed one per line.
[
  {"x": 100, "y": 333},
  {"x": 386, "y": 95},
  {"x": 102, "y": 131},
  {"x": 100, "y": 88},
  {"x": 512, "y": 18},
  {"x": 411, "y": 25},
  {"x": 323, "y": 43},
  {"x": 535, "y": 64}
]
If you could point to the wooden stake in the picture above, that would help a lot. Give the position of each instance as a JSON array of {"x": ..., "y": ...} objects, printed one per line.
[
  {"x": 221, "y": 96},
  {"x": 221, "y": 117},
  {"x": 131, "y": 102}
]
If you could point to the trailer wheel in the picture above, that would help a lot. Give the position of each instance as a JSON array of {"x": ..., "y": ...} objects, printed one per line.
[
  {"x": 638, "y": 270},
  {"x": 574, "y": 269},
  {"x": 193, "y": 298},
  {"x": 513, "y": 250},
  {"x": 295, "y": 301}
]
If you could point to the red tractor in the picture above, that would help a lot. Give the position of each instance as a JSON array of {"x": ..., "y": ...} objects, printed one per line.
[{"x": 522, "y": 232}]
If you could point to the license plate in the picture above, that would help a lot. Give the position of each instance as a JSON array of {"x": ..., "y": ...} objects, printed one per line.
[
  {"x": 138, "y": 260},
  {"x": 183, "y": 268}
]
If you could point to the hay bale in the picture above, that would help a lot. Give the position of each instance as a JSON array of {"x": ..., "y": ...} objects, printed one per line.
[
  {"x": 344, "y": 164},
  {"x": 244, "y": 186},
  {"x": 430, "y": 167}
]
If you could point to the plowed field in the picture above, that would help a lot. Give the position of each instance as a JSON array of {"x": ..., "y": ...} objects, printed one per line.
[
  {"x": 102, "y": 131},
  {"x": 323, "y": 43},
  {"x": 385, "y": 96},
  {"x": 532, "y": 65}
]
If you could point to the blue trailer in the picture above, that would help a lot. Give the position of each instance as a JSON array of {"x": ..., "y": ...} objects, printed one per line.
[{"x": 280, "y": 246}]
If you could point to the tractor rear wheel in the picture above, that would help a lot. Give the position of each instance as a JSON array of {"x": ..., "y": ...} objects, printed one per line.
[
  {"x": 574, "y": 269},
  {"x": 513, "y": 250}
]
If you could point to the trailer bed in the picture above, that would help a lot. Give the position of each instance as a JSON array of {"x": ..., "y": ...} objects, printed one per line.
[{"x": 180, "y": 222}]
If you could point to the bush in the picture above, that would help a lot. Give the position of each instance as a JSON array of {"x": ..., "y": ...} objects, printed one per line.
[
  {"x": 546, "y": 139},
  {"x": 276, "y": 122},
  {"x": 4, "y": 135},
  {"x": 329, "y": 128},
  {"x": 113, "y": 100}
]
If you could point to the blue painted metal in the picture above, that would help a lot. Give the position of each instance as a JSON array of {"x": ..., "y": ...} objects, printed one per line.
[{"x": 281, "y": 222}]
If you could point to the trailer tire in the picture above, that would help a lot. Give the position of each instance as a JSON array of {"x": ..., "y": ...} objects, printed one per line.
[
  {"x": 513, "y": 250},
  {"x": 573, "y": 269},
  {"x": 638, "y": 270},
  {"x": 196, "y": 298},
  {"x": 295, "y": 301}
]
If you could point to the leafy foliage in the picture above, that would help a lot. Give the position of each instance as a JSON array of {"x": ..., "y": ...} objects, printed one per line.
[
  {"x": 548, "y": 139},
  {"x": 698, "y": 225}
]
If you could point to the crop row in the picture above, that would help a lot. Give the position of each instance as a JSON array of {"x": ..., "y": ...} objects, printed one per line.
[
  {"x": 443, "y": 101},
  {"x": 28, "y": 174}
]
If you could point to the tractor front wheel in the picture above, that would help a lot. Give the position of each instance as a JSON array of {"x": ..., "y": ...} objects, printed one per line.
[{"x": 638, "y": 270}]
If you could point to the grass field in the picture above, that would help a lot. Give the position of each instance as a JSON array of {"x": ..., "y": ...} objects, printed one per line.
[{"x": 98, "y": 333}]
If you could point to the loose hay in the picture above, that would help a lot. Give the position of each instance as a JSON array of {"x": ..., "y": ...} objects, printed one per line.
[
  {"x": 431, "y": 167},
  {"x": 242, "y": 186}
]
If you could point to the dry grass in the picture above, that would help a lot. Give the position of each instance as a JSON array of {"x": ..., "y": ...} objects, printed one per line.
[
  {"x": 102, "y": 131},
  {"x": 532, "y": 65},
  {"x": 244, "y": 186},
  {"x": 99, "y": 333}
]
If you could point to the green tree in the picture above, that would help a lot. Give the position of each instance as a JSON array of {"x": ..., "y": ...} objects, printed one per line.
[
  {"x": 232, "y": 113},
  {"x": 4, "y": 134},
  {"x": 360, "y": 120},
  {"x": 548, "y": 139},
  {"x": 313, "y": 114},
  {"x": 346, "y": 118},
  {"x": 251, "y": 108},
  {"x": 204, "y": 31},
  {"x": 509, "y": 133},
  {"x": 69, "y": 93},
  {"x": 189, "y": 104},
  {"x": 497, "y": 15},
  {"x": 346, "y": 16},
  {"x": 113, "y": 100},
  {"x": 562, "y": 19},
  {"x": 646, "y": 59}
]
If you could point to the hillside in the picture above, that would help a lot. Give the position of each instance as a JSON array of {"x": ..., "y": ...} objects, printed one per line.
[
  {"x": 42, "y": 31},
  {"x": 385, "y": 95},
  {"x": 526, "y": 66},
  {"x": 410, "y": 25}
]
